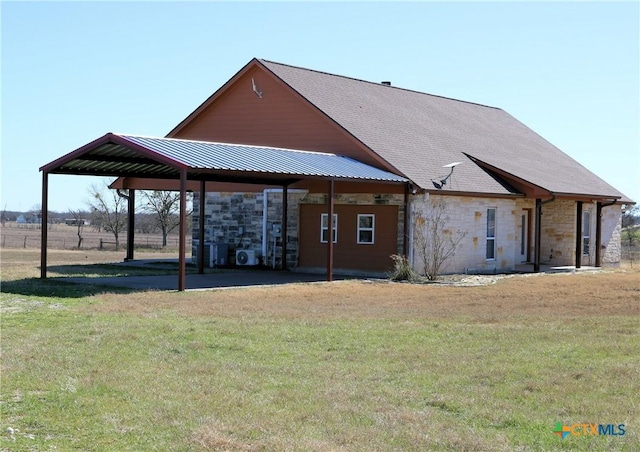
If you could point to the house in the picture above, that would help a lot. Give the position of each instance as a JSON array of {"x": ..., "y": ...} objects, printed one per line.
[{"x": 515, "y": 196}]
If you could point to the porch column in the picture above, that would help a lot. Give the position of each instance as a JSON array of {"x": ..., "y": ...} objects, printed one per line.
[
  {"x": 405, "y": 242},
  {"x": 43, "y": 225},
  {"x": 182, "y": 268},
  {"x": 538, "y": 222},
  {"x": 283, "y": 236},
  {"x": 131, "y": 212},
  {"x": 598, "y": 233},
  {"x": 202, "y": 204},
  {"x": 330, "y": 234},
  {"x": 578, "y": 234}
]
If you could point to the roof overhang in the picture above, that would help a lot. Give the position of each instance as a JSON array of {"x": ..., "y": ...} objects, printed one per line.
[
  {"x": 116, "y": 155},
  {"x": 531, "y": 190}
]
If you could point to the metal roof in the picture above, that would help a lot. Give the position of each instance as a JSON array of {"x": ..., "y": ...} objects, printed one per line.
[{"x": 138, "y": 156}]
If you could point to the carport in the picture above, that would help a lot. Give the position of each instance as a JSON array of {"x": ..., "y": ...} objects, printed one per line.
[{"x": 187, "y": 165}]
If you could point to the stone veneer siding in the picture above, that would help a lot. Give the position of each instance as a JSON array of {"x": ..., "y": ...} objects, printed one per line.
[
  {"x": 236, "y": 219},
  {"x": 227, "y": 213},
  {"x": 558, "y": 241},
  {"x": 469, "y": 214}
]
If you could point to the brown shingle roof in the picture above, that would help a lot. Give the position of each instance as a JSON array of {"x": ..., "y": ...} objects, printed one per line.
[{"x": 418, "y": 133}]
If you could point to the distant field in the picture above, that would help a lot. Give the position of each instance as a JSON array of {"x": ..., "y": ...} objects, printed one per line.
[
  {"x": 62, "y": 236},
  {"x": 349, "y": 365}
]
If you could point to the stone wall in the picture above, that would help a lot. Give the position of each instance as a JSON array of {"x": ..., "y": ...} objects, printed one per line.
[
  {"x": 611, "y": 246},
  {"x": 469, "y": 215},
  {"x": 558, "y": 239},
  {"x": 237, "y": 219}
]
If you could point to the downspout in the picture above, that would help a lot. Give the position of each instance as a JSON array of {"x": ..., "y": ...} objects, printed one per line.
[{"x": 265, "y": 203}]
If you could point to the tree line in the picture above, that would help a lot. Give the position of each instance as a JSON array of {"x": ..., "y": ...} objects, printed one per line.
[{"x": 107, "y": 210}]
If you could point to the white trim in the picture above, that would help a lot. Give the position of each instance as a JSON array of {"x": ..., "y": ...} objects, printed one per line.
[
  {"x": 493, "y": 237},
  {"x": 372, "y": 229},
  {"x": 323, "y": 228}
]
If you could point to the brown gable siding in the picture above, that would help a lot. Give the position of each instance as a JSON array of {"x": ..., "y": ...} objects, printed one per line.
[{"x": 280, "y": 118}]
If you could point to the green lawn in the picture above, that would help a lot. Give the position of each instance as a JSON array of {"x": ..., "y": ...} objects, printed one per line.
[{"x": 350, "y": 366}]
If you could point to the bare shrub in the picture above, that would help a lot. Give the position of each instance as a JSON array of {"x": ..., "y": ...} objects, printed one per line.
[{"x": 433, "y": 238}]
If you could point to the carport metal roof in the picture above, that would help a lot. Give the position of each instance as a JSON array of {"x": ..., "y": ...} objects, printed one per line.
[
  {"x": 137, "y": 156},
  {"x": 120, "y": 155}
]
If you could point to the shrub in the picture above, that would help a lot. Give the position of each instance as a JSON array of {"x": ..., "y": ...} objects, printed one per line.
[{"x": 402, "y": 270}]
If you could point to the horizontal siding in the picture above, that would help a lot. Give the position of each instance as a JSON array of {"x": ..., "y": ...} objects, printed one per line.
[
  {"x": 279, "y": 119},
  {"x": 347, "y": 253}
]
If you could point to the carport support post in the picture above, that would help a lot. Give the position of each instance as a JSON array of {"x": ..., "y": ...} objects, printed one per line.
[
  {"x": 283, "y": 236},
  {"x": 182, "y": 269},
  {"x": 131, "y": 224},
  {"x": 43, "y": 225},
  {"x": 203, "y": 201},
  {"x": 578, "y": 234},
  {"x": 330, "y": 234},
  {"x": 536, "y": 258}
]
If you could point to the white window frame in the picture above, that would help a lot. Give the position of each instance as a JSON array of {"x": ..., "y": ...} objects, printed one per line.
[
  {"x": 324, "y": 218},
  {"x": 362, "y": 229},
  {"x": 586, "y": 232},
  {"x": 491, "y": 238}
]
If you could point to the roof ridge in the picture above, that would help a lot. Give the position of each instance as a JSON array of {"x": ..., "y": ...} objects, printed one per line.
[{"x": 378, "y": 84}]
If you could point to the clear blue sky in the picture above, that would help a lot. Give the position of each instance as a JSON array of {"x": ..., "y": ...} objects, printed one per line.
[{"x": 73, "y": 71}]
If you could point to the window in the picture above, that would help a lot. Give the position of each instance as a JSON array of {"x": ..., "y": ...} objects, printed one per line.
[
  {"x": 366, "y": 228},
  {"x": 586, "y": 232},
  {"x": 491, "y": 233},
  {"x": 324, "y": 227}
]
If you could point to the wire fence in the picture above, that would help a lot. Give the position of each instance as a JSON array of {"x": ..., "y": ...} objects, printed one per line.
[{"x": 30, "y": 238}]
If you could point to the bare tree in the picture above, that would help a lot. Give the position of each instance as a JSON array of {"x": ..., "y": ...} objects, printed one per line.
[
  {"x": 78, "y": 217},
  {"x": 433, "y": 238},
  {"x": 109, "y": 210},
  {"x": 165, "y": 208}
]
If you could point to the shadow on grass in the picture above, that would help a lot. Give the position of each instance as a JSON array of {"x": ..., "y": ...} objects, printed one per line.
[
  {"x": 59, "y": 289},
  {"x": 108, "y": 270},
  {"x": 55, "y": 286}
]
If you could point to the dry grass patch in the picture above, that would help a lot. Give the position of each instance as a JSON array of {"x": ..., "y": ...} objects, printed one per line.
[
  {"x": 344, "y": 366},
  {"x": 601, "y": 294}
]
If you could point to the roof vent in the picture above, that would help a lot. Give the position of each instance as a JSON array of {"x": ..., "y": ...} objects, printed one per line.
[{"x": 386, "y": 83}]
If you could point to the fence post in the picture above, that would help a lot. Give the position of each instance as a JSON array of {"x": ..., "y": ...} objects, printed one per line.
[
  {"x": 25, "y": 241},
  {"x": 100, "y": 244}
]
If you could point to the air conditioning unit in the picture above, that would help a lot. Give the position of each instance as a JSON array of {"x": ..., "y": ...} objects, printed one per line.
[{"x": 246, "y": 257}]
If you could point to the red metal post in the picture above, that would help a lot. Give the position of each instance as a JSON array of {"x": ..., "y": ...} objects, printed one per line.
[
  {"x": 182, "y": 268},
  {"x": 283, "y": 236},
  {"x": 43, "y": 225},
  {"x": 203, "y": 202}
]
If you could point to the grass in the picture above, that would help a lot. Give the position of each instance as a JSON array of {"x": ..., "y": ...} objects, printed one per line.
[{"x": 344, "y": 366}]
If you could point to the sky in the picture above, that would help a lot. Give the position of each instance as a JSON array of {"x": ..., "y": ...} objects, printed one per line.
[{"x": 73, "y": 71}]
